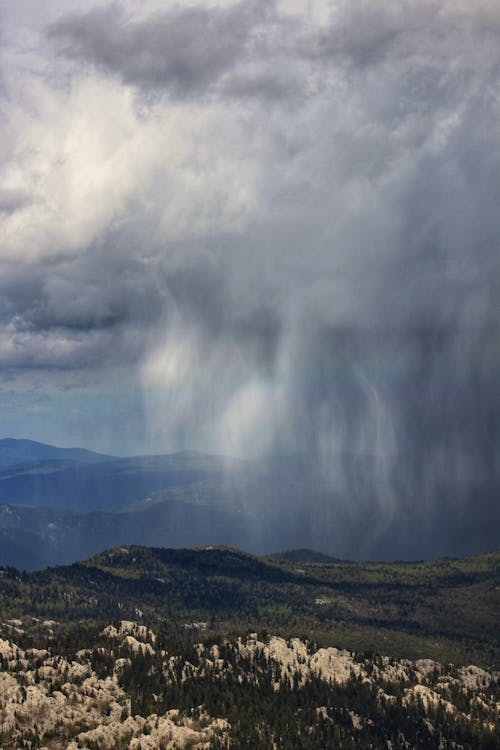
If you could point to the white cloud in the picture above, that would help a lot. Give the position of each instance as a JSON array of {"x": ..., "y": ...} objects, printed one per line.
[{"x": 89, "y": 158}]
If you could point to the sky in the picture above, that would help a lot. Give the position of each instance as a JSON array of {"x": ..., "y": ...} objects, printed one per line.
[{"x": 254, "y": 228}]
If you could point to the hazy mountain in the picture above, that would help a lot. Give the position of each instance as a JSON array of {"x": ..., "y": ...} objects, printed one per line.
[
  {"x": 59, "y": 509},
  {"x": 105, "y": 484},
  {"x": 32, "y": 538},
  {"x": 303, "y": 556},
  {"x": 14, "y": 452}
]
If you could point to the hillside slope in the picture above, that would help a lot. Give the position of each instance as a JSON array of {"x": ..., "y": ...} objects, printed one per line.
[
  {"x": 145, "y": 648},
  {"x": 444, "y": 609}
]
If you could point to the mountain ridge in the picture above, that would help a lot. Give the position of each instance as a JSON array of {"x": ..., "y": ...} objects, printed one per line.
[
  {"x": 18, "y": 451},
  {"x": 190, "y": 499}
]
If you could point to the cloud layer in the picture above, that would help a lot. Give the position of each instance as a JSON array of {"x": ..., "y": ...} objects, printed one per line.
[
  {"x": 283, "y": 227},
  {"x": 185, "y": 50}
]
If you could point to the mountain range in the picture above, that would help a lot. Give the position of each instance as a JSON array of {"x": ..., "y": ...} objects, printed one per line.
[{"x": 58, "y": 505}]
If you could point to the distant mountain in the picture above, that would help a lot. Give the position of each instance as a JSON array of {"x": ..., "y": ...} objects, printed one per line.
[
  {"x": 59, "y": 516},
  {"x": 105, "y": 484},
  {"x": 303, "y": 556},
  {"x": 77, "y": 502},
  {"x": 15, "y": 452},
  {"x": 36, "y": 537}
]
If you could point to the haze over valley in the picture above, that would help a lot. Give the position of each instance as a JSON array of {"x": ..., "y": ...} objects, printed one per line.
[{"x": 60, "y": 505}]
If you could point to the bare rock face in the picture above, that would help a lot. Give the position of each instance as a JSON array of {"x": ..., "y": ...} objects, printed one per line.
[
  {"x": 172, "y": 730},
  {"x": 130, "y": 629},
  {"x": 49, "y": 696},
  {"x": 76, "y": 702}
]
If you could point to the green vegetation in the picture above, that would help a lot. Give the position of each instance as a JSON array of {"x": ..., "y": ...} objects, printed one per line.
[
  {"x": 316, "y": 714},
  {"x": 201, "y": 606},
  {"x": 445, "y": 609}
]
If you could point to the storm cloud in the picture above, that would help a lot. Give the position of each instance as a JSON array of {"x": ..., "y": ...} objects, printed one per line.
[
  {"x": 275, "y": 227},
  {"x": 184, "y": 49}
]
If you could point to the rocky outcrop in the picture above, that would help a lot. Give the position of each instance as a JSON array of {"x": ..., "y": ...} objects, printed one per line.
[
  {"x": 49, "y": 696},
  {"x": 76, "y": 702}
]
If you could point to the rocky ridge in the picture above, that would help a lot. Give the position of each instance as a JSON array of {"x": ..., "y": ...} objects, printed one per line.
[
  {"x": 67, "y": 704},
  {"x": 86, "y": 699}
]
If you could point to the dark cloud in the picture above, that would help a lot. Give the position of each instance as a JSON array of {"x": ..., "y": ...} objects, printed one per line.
[
  {"x": 272, "y": 82},
  {"x": 362, "y": 34},
  {"x": 185, "y": 50},
  {"x": 318, "y": 276},
  {"x": 12, "y": 200}
]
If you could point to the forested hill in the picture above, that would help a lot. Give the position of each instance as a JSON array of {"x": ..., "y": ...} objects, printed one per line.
[
  {"x": 443, "y": 609},
  {"x": 144, "y": 648}
]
